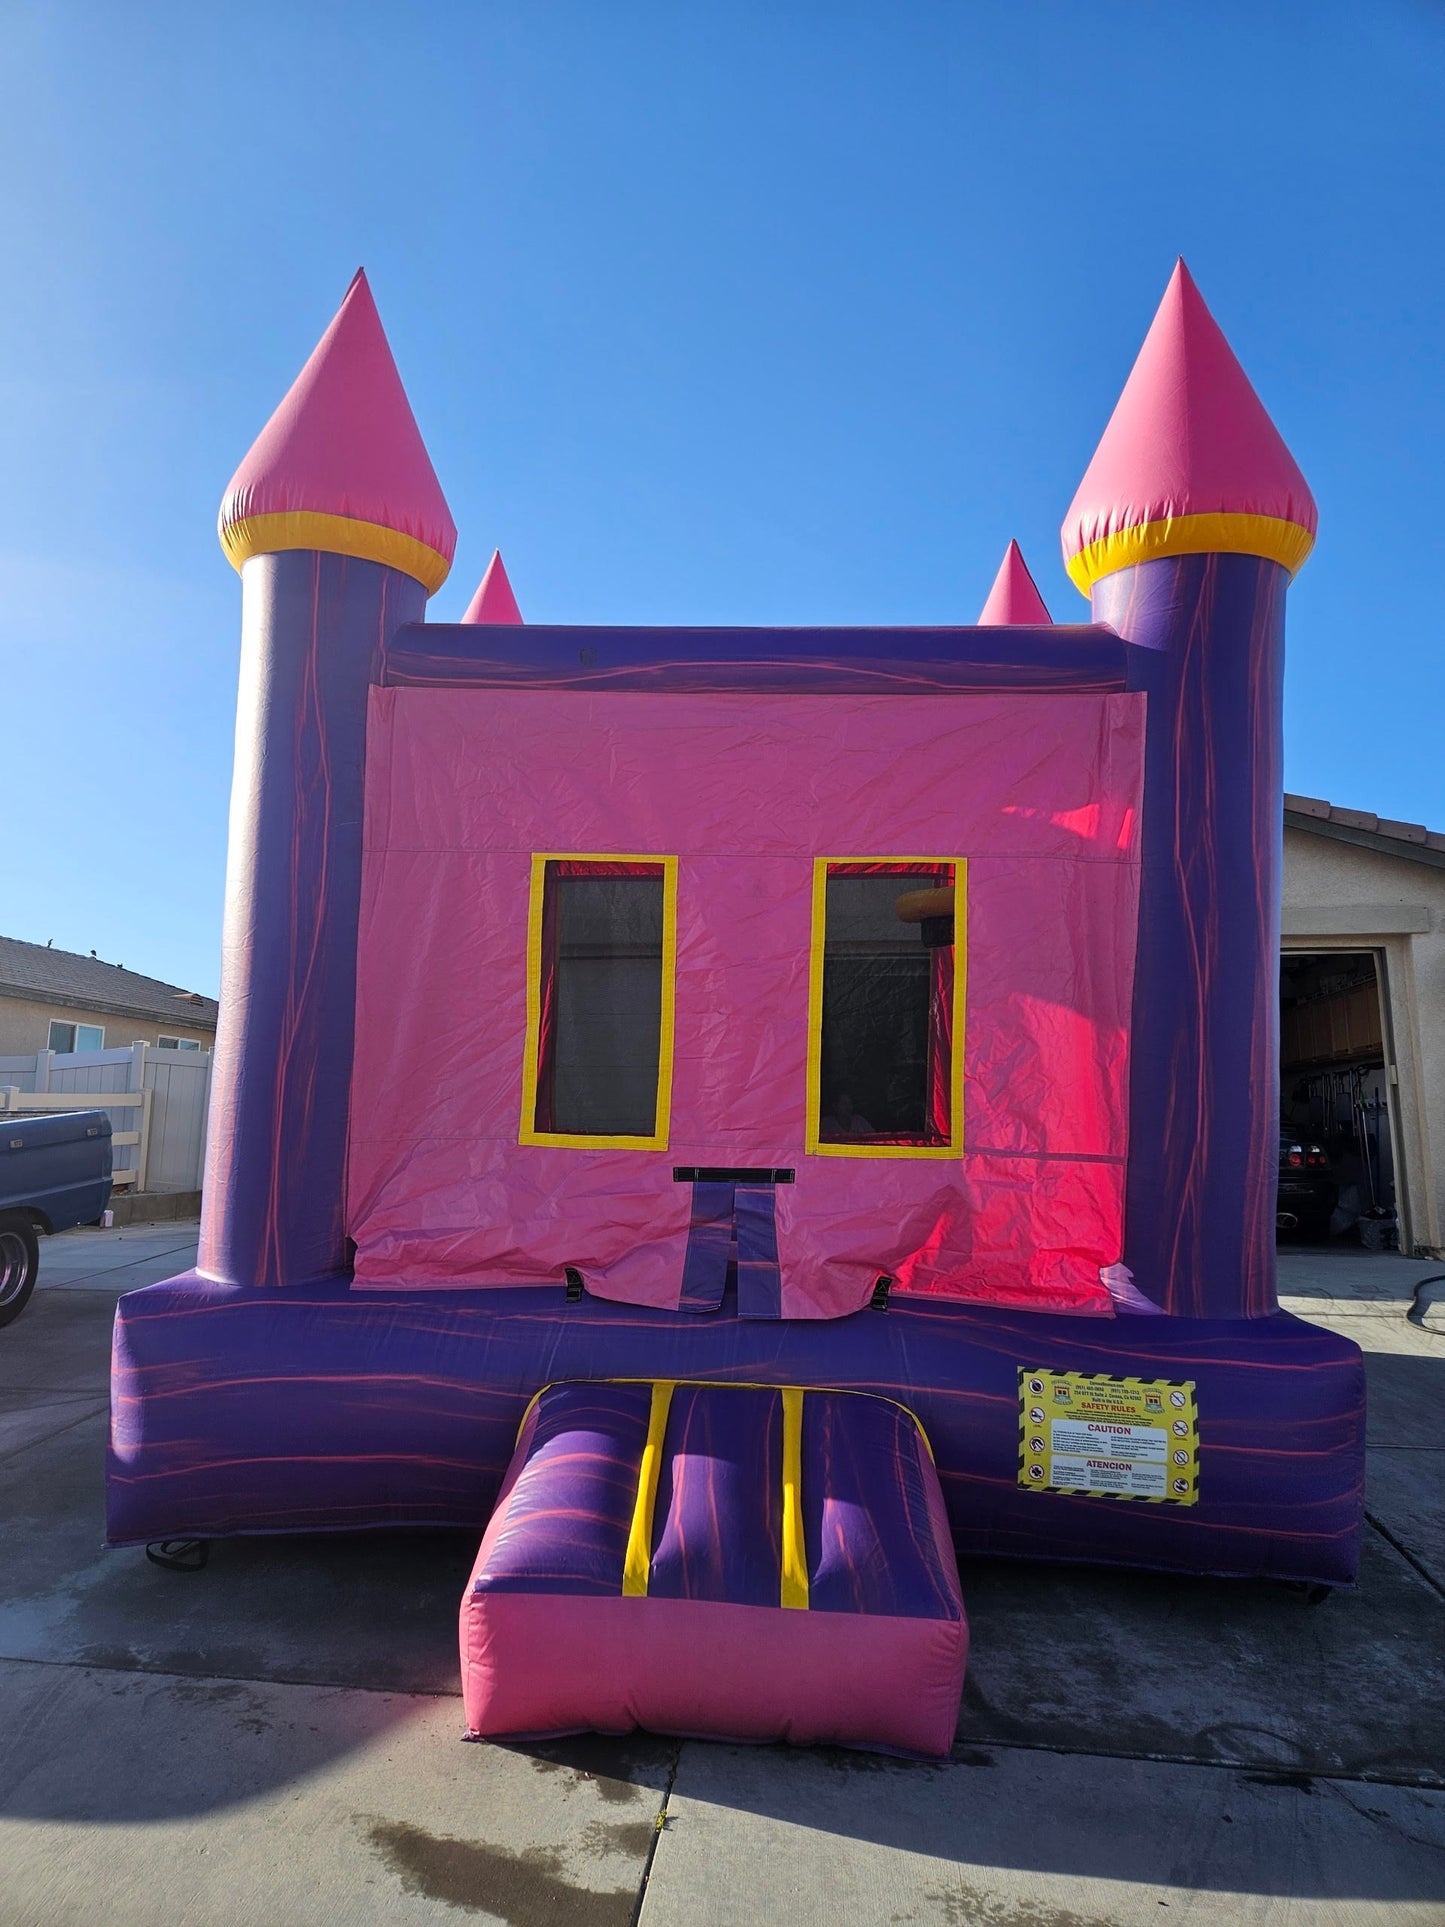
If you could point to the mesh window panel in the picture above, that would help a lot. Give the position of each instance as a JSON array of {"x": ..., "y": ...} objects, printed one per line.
[
  {"x": 882, "y": 1039},
  {"x": 603, "y": 999}
]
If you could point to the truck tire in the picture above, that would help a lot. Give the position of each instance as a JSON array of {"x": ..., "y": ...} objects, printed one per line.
[{"x": 19, "y": 1262}]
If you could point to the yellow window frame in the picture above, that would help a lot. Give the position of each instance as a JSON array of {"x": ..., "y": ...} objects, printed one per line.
[
  {"x": 813, "y": 1143},
  {"x": 572, "y": 1140}
]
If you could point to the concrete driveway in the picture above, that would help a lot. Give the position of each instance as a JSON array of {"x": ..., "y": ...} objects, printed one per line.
[{"x": 278, "y": 1739}]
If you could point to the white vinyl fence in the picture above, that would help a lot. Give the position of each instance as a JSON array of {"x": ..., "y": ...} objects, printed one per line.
[{"x": 156, "y": 1100}]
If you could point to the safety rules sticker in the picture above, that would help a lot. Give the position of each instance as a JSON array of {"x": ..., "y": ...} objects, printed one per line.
[{"x": 1112, "y": 1438}]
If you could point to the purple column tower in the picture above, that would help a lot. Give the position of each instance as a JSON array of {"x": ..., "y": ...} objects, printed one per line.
[
  {"x": 1185, "y": 531},
  {"x": 339, "y": 528}
]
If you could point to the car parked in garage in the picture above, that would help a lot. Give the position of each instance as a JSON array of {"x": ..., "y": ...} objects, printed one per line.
[{"x": 1307, "y": 1188}]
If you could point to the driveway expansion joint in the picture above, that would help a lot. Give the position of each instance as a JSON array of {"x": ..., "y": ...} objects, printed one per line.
[{"x": 1404, "y": 1551}]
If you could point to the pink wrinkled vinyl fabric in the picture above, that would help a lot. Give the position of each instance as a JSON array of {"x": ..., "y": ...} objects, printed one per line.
[
  {"x": 1039, "y": 793},
  {"x": 344, "y": 441},
  {"x": 1188, "y": 436},
  {"x": 532, "y": 1667}
]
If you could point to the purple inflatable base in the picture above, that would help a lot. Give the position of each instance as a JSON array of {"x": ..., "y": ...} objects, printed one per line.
[{"x": 314, "y": 1408}]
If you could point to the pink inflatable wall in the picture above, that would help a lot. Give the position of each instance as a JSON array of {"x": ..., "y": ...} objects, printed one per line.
[{"x": 745, "y": 792}]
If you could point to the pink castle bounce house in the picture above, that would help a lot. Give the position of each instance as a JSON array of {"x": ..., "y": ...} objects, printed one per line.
[{"x": 750, "y": 1112}]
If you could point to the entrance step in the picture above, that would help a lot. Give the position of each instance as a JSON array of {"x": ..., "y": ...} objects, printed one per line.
[{"x": 738, "y": 1562}]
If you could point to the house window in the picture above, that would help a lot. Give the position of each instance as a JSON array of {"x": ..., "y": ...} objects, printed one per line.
[
  {"x": 177, "y": 1043},
  {"x": 76, "y": 1037},
  {"x": 886, "y": 1003},
  {"x": 602, "y": 935}
]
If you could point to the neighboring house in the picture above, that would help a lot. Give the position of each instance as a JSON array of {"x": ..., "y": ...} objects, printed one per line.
[
  {"x": 56, "y": 1000},
  {"x": 1362, "y": 1004}
]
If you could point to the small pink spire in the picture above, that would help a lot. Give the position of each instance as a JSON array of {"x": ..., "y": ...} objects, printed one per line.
[
  {"x": 1190, "y": 461},
  {"x": 341, "y": 465},
  {"x": 1014, "y": 597},
  {"x": 493, "y": 601}
]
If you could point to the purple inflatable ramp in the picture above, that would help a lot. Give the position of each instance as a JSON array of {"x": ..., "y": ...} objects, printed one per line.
[{"x": 721, "y": 1561}]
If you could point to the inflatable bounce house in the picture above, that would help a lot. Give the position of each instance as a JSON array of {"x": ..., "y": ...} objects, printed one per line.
[{"x": 752, "y": 1112}]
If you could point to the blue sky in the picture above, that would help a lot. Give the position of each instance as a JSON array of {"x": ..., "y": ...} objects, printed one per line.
[{"x": 725, "y": 313}]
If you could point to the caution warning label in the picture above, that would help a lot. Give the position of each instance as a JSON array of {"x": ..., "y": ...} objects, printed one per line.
[{"x": 1109, "y": 1438}]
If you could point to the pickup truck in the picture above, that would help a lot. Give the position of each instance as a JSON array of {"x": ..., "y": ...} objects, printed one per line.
[{"x": 54, "y": 1173}]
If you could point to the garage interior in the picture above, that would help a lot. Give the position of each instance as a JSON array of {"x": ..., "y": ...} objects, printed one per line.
[{"x": 1337, "y": 1149}]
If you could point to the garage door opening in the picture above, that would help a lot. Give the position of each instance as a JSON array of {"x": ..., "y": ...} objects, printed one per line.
[{"x": 1337, "y": 1182}]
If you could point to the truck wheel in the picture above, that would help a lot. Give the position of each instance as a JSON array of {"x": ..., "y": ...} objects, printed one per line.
[{"x": 19, "y": 1262}]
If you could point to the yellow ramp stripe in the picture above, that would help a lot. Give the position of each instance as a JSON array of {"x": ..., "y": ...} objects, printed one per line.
[
  {"x": 794, "y": 1555},
  {"x": 638, "y": 1564}
]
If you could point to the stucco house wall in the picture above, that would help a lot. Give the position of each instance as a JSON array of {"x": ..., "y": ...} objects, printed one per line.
[
  {"x": 25, "y": 1026},
  {"x": 1340, "y": 896}
]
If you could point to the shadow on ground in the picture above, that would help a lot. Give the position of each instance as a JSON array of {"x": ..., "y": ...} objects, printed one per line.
[{"x": 1033, "y": 1839}]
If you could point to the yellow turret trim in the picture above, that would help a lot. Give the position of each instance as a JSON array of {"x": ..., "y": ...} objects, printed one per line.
[
  {"x": 1267, "y": 536},
  {"x": 334, "y": 535}
]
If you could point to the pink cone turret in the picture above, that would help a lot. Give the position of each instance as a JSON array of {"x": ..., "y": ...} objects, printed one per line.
[
  {"x": 1014, "y": 597},
  {"x": 341, "y": 466},
  {"x": 494, "y": 601},
  {"x": 1190, "y": 463}
]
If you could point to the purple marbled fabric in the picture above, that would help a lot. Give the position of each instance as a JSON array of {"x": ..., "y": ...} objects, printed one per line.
[
  {"x": 318, "y": 1408},
  {"x": 870, "y": 1538}
]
